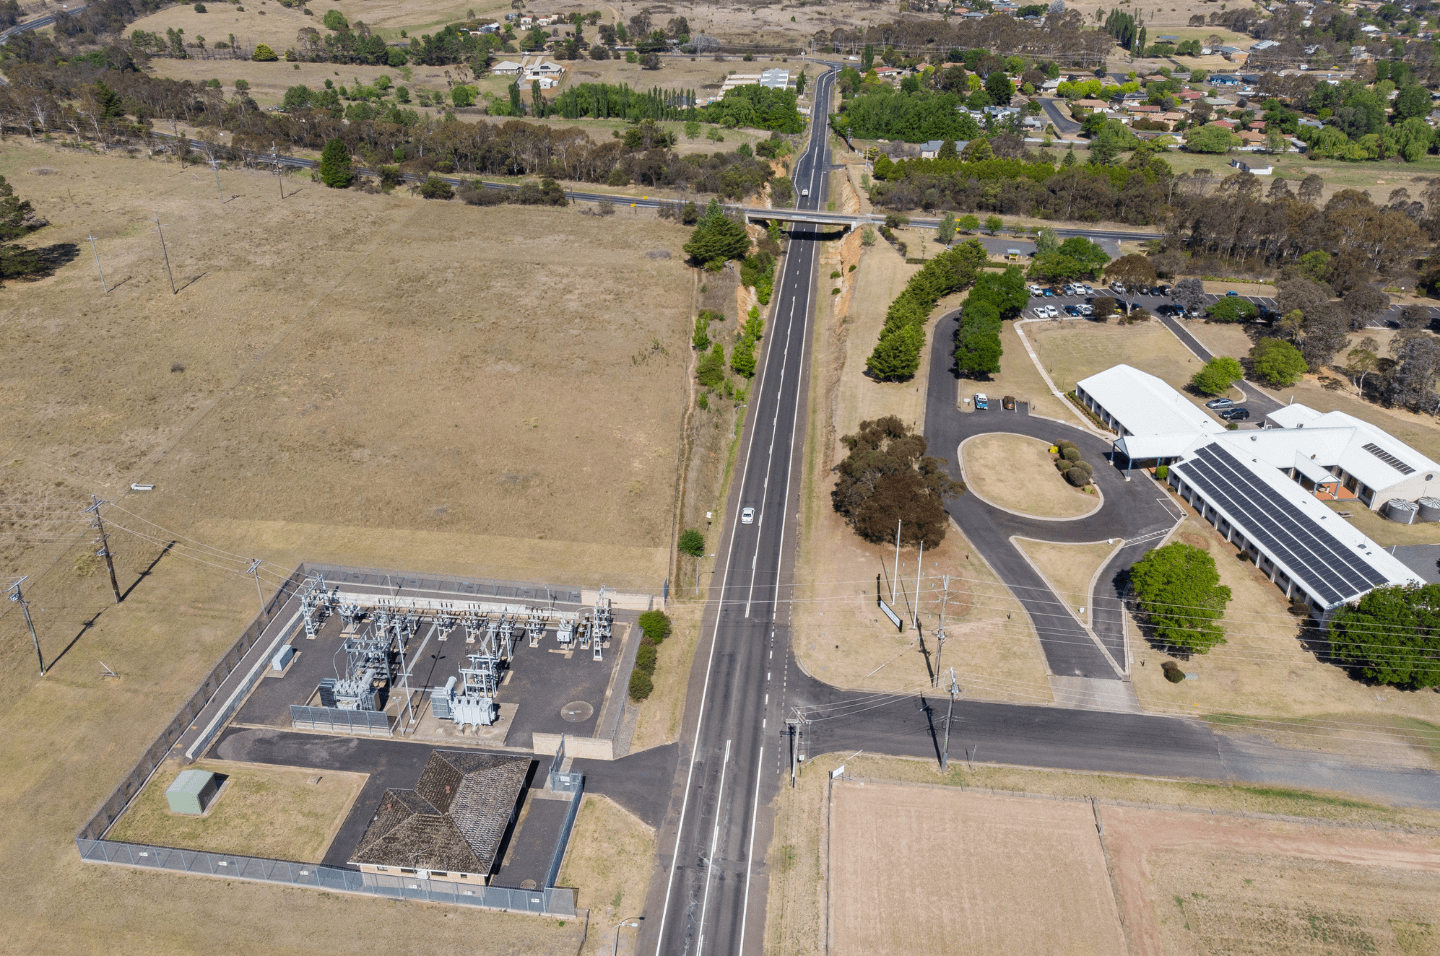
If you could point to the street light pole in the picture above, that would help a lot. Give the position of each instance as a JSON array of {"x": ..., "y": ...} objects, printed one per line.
[{"x": 627, "y": 921}]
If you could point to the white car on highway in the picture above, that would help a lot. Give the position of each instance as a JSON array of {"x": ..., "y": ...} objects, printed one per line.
[{"x": 747, "y": 516}]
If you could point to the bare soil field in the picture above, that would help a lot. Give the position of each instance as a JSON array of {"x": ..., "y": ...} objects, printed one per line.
[
  {"x": 1019, "y": 875},
  {"x": 1199, "y": 884},
  {"x": 609, "y": 861},
  {"x": 1016, "y": 472},
  {"x": 841, "y": 636},
  {"x": 262, "y": 811},
  {"x": 344, "y": 377},
  {"x": 1069, "y": 567},
  {"x": 1264, "y": 670}
]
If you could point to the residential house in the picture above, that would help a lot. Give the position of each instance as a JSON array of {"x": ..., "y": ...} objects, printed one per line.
[{"x": 931, "y": 149}]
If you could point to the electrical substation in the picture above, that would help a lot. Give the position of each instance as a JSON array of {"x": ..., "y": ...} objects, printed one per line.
[
  {"x": 474, "y": 684},
  {"x": 376, "y": 661}
]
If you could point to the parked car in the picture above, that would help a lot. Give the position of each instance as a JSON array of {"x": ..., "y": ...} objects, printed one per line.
[
  {"x": 1220, "y": 403},
  {"x": 1169, "y": 310},
  {"x": 1235, "y": 414},
  {"x": 981, "y": 402},
  {"x": 1232, "y": 292},
  {"x": 1087, "y": 310},
  {"x": 1049, "y": 293},
  {"x": 747, "y": 516},
  {"x": 1088, "y": 290},
  {"x": 1165, "y": 290},
  {"x": 1072, "y": 310},
  {"x": 1008, "y": 403}
]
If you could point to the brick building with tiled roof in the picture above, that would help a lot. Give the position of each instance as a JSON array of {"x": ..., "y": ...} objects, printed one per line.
[{"x": 450, "y": 826}]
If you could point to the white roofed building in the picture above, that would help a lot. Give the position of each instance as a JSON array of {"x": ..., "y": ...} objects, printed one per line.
[{"x": 1264, "y": 489}]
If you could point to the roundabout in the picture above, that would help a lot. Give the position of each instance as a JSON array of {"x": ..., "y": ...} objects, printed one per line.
[{"x": 1016, "y": 473}]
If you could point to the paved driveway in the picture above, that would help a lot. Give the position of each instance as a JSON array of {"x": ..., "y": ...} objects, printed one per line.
[{"x": 1134, "y": 511}]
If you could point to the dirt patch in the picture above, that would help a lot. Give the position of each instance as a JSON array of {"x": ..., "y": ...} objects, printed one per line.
[
  {"x": 1198, "y": 884},
  {"x": 1069, "y": 568},
  {"x": 263, "y": 811},
  {"x": 1021, "y": 875},
  {"x": 1018, "y": 473}
]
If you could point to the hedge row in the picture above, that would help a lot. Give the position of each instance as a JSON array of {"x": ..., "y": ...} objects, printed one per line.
[
  {"x": 655, "y": 627},
  {"x": 897, "y": 354},
  {"x": 995, "y": 298}
]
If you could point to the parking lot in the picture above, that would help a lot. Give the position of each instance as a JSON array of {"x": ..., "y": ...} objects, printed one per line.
[
  {"x": 1042, "y": 299},
  {"x": 1075, "y": 302}
]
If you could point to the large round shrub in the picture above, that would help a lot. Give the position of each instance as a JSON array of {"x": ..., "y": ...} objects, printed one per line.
[
  {"x": 1173, "y": 673},
  {"x": 1077, "y": 477},
  {"x": 1070, "y": 453},
  {"x": 1086, "y": 467}
]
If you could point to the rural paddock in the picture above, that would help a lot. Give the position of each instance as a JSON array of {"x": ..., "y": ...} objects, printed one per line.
[
  {"x": 932, "y": 868},
  {"x": 940, "y": 870}
]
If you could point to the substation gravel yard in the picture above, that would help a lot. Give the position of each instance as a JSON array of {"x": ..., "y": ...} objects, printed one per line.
[{"x": 367, "y": 379}]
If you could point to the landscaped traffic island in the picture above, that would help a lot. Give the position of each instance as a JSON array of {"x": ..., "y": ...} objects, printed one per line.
[{"x": 1018, "y": 473}]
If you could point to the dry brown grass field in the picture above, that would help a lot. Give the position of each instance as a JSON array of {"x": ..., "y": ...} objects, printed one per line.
[
  {"x": 842, "y": 638},
  {"x": 364, "y": 379},
  {"x": 1017, "y": 473},
  {"x": 1328, "y": 888},
  {"x": 951, "y": 871},
  {"x": 1071, "y": 351},
  {"x": 609, "y": 861},
  {"x": 263, "y": 811},
  {"x": 1263, "y": 670},
  {"x": 1199, "y": 884},
  {"x": 1069, "y": 567}
]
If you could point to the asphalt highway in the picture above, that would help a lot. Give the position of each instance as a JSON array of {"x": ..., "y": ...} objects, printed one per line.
[{"x": 710, "y": 897}]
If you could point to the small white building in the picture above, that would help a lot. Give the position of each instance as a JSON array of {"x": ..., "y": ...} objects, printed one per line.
[{"x": 506, "y": 68}]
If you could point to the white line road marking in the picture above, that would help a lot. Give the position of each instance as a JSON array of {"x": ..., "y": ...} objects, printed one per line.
[
  {"x": 714, "y": 842},
  {"x": 705, "y": 691},
  {"x": 750, "y": 853}
]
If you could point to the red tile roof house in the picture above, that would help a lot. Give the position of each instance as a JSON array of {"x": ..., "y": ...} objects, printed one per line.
[
  {"x": 1142, "y": 108},
  {"x": 1228, "y": 124},
  {"x": 1190, "y": 95},
  {"x": 1258, "y": 125}
]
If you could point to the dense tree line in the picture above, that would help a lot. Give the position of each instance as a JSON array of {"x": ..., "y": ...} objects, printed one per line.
[
  {"x": 888, "y": 480},
  {"x": 880, "y": 111},
  {"x": 897, "y": 355},
  {"x": 994, "y": 298},
  {"x": 64, "y": 97},
  {"x": 606, "y": 101},
  {"x": 1391, "y": 636},
  {"x": 1062, "y": 36}
]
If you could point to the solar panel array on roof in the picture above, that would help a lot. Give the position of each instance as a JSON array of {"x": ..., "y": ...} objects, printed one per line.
[
  {"x": 1334, "y": 571},
  {"x": 1388, "y": 458}
]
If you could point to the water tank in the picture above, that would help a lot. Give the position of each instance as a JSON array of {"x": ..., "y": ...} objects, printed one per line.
[
  {"x": 1397, "y": 509},
  {"x": 1429, "y": 509}
]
